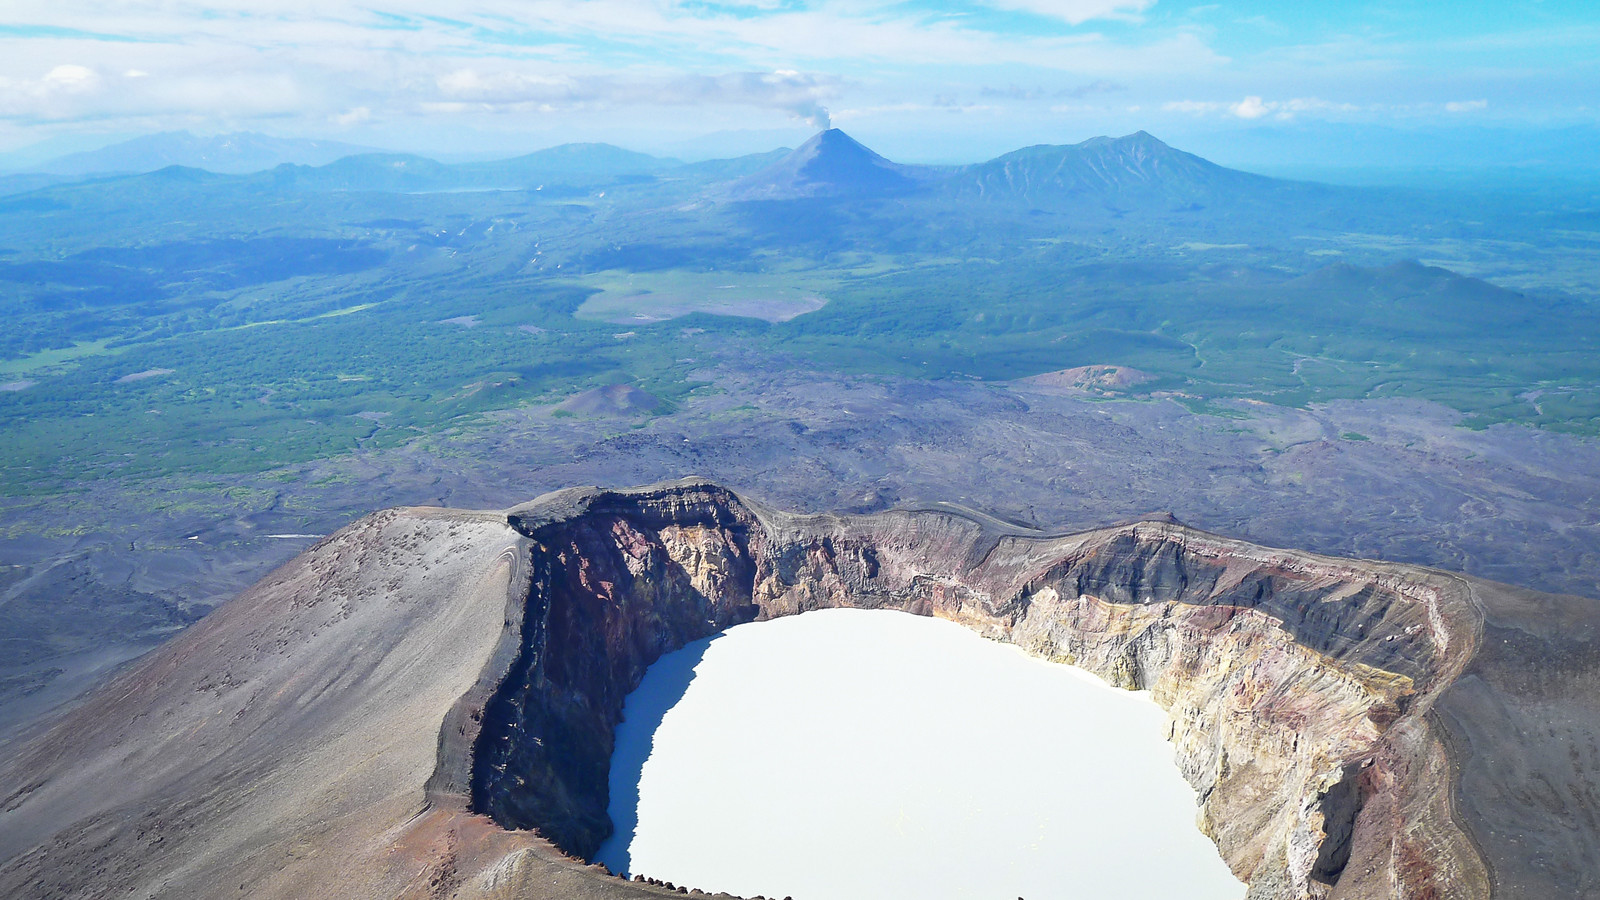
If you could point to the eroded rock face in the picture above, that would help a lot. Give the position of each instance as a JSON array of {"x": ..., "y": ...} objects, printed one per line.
[
  {"x": 609, "y": 595},
  {"x": 1354, "y": 729}
]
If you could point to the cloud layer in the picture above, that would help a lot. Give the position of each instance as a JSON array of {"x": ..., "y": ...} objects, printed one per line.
[{"x": 680, "y": 67}]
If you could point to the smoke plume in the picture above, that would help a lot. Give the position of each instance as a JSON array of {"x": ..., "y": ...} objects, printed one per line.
[{"x": 815, "y": 115}]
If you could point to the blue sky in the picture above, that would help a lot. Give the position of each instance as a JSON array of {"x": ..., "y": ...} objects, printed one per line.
[{"x": 926, "y": 79}]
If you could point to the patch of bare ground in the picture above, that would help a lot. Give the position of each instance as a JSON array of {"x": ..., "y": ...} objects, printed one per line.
[
  {"x": 1092, "y": 379},
  {"x": 611, "y": 400},
  {"x": 141, "y": 376}
]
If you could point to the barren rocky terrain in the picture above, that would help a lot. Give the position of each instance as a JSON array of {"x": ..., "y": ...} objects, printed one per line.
[
  {"x": 423, "y": 704},
  {"x": 93, "y": 577}
]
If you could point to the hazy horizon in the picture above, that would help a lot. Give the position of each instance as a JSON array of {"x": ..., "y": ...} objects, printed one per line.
[
  {"x": 1356, "y": 158},
  {"x": 1243, "y": 83}
]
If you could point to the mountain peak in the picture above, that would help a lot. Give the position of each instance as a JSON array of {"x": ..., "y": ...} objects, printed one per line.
[
  {"x": 835, "y": 137},
  {"x": 1140, "y": 142},
  {"x": 1145, "y": 142},
  {"x": 833, "y": 147},
  {"x": 1135, "y": 171},
  {"x": 830, "y": 164}
]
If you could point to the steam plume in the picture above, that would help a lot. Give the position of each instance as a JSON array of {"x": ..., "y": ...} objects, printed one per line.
[{"x": 814, "y": 114}]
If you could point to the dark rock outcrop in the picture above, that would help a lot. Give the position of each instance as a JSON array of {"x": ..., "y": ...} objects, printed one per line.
[{"x": 607, "y": 598}]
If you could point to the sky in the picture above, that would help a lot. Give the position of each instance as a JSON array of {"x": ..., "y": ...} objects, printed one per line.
[{"x": 925, "y": 80}]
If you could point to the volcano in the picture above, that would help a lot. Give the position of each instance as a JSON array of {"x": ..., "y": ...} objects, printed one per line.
[{"x": 831, "y": 164}]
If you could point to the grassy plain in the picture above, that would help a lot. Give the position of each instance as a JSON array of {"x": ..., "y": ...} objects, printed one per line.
[{"x": 643, "y": 297}]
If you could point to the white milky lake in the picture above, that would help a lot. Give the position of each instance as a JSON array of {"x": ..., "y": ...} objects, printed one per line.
[{"x": 846, "y": 754}]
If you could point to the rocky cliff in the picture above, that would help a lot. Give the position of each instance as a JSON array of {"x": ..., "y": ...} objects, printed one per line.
[{"x": 423, "y": 705}]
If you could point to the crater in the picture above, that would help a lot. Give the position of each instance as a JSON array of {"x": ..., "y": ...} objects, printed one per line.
[
  {"x": 424, "y": 704},
  {"x": 1295, "y": 688}
]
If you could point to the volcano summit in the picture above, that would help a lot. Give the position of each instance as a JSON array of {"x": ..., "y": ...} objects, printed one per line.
[
  {"x": 423, "y": 704},
  {"x": 831, "y": 164}
]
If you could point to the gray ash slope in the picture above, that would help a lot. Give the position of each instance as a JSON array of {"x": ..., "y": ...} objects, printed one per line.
[{"x": 832, "y": 164}]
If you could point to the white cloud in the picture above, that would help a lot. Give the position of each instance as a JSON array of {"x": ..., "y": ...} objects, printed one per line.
[
  {"x": 800, "y": 95},
  {"x": 669, "y": 32},
  {"x": 1251, "y": 108},
  {"x": 72, "y": 79},
  {"x": 221, "y": 95},
  {"x": 353, "y": 116},
  {"x": 306, "y": 65},
  {"x": 494, "y": 58},
  {"x": 875, "y": 112},
  {"x": 58, "y": 94},
  {"x": 504, "y": 87},
  {"x": 1191, "y": 106},
  {"x": 74, "y": 92},
  {"x": 1077, "y": 12},
  {"x": 309, "y": 65}
]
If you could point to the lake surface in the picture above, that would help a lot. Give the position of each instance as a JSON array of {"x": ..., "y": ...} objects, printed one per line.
[{"x": 846, "y": 754}]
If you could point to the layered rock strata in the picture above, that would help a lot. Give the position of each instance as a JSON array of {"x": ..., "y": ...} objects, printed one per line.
[{"x": 423, "y": 704}]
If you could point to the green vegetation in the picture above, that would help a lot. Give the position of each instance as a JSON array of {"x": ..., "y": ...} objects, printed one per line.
[
  {"x": 299, "y": 324},
  {"x": 54, "y": 358}
]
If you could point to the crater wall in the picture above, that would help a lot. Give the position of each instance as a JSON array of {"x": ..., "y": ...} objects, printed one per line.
[{"x": 1296, "y": 688}]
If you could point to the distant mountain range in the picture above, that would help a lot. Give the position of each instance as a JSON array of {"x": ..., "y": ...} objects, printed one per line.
[
  {"x": 236, "y": 153},
  {"x": 568, "y": 164},
  {"x": 829, "y": 165},
  {"x": 1097, "y": 180},
  {"x": 1098, "y": 177},
  {"x": 1308, "y": 149}
]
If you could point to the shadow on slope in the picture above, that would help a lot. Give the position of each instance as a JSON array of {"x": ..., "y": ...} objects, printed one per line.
[{"x": 663, "y": 686}]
